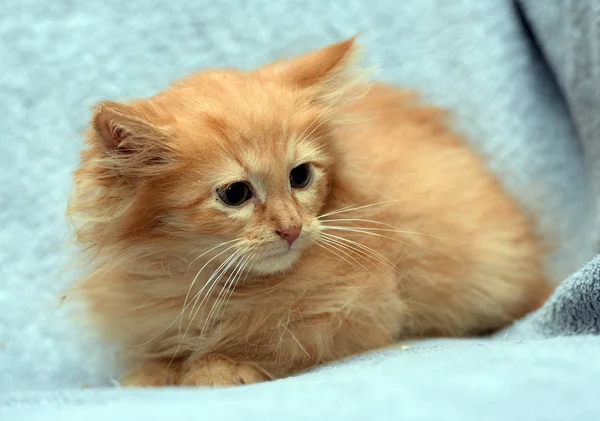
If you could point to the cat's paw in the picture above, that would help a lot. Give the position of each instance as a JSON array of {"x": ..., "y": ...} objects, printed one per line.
[
  {"x": 150, "y": 374},
  {"x": 217, "y": 370}
]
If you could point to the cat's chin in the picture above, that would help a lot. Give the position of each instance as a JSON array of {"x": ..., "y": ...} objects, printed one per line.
[{"x": 275, "y": 264}]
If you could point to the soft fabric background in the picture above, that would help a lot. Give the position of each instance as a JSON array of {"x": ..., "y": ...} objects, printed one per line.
[
  {"x": 513, "y": 96},
  {"x": 569, "y": 36}
]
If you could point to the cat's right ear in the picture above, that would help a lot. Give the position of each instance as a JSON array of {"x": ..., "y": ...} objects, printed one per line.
[
  {"x": 120, "y": 126},
  {"x": 130, "y": 135}
]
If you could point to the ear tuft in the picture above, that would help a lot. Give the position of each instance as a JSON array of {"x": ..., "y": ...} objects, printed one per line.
[
  {"x": 111, "y": 121},
  {"x": 123, "y": 127},
  {"x": 330, "y": 72},
  {"x": 324, "y": 64},
  {"x": 132, "y": 138}
]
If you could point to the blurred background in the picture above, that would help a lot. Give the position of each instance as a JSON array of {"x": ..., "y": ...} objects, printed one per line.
[{"x": 58, "y": 58}]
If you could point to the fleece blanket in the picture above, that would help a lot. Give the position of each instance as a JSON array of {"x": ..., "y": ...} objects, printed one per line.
[{"x": 520, "y": 78}]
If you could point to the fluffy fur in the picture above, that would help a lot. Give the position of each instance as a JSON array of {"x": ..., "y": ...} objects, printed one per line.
[{"x": 404, "y": 232}]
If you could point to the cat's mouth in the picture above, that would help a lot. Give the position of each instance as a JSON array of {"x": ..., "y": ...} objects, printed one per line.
[
  {"x": 281, "y": 253},
  {"x": 276, "y": 258},
  {"x": 277, "y": 250},
  {"x": 276, "y": 262}
]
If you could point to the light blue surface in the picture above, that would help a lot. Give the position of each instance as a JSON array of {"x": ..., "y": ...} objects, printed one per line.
[
  {"x": 447, "y": 380},
  {"x": 58, "y": 58}
]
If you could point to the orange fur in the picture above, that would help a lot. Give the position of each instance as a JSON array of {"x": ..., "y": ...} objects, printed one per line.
[{"x": 404, "y": 232}]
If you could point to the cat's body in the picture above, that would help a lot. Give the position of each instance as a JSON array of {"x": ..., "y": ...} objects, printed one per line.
[{"x": 401, "y": 231}]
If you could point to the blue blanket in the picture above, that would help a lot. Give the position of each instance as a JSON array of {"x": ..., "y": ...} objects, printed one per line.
[
  {"x": 535, "y": 370},
  {"x": 522, "y": 79}
]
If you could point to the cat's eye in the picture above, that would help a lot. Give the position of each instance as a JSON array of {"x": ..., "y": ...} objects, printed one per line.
[
  {"x": 301, "y": 176},
  {"x": 235, "y": 194}
]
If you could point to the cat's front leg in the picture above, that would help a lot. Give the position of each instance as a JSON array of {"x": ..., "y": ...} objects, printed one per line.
[
  {"x": 153, "y": 373},
  {"x": 218, "y": 370}
]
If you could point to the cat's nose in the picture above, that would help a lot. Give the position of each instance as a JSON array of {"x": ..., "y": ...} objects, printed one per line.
[{"x": 289, "y": 234}]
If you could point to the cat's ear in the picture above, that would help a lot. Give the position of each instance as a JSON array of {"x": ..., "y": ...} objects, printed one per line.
[
  {"x": 330, "y": 72},
  {"x": 120, "y": 126},
  {"x": 130, "y": 134}
]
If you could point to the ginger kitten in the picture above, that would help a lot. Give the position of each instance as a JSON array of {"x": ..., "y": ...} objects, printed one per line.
[{"x": 248, "y": 226}]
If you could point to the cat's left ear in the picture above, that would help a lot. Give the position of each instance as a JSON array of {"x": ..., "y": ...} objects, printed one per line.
[{"x": 329, "y": 72}]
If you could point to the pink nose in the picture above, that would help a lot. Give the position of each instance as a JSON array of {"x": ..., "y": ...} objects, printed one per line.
[{"x": 289, "y": 234}]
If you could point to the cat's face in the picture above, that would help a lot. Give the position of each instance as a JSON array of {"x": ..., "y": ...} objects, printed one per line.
[
  {"x": 238, "y": 162},
  {"x": 257, "y": 168}
]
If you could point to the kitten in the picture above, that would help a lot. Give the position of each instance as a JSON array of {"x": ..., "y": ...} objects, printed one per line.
[{"x": 248, "y": 226}]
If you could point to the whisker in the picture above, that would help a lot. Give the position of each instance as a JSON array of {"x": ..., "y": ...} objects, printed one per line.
[
  {"x": 248, "y": 273},
  {"x": 232, "y": 287},
  {"x": 239, "y": 277},
  {"x": 209, "y": 250},
  {"x": 359, "y": 231},
  {"x": 366, "y": 253},
  {"x": 358, "y": 208},
  {"x": 327, "y": 120},
  {"x": 335, "y": 253},
  {"x": 302, "y": 137},
  {"x": 398, "y": 231},
  {"x": 185, "y": 303},
  {"x": 213, "y": 280},
  {"x": 297, "y": 341},
  {"x": 387, "y": 262},
  {"x": 196, "y": 278},
  {"x": 224, "y": 289},
  {"x": 358, "y": 220},
  {"x": 210, "y": 284},
  {"x": 373, "y": 234},
  {"x": 365, "y": 249},
  {"x": 340, "y": 247},
  {"x": 368, "y": 230},
  {"x": 334, "y": 133},
  {"x": 346, "y": 207},
  {"x": 197, "y": 296}
]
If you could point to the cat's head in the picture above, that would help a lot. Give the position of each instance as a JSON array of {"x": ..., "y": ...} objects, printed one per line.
[{"x": 224, "y": 157}]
